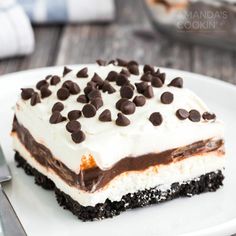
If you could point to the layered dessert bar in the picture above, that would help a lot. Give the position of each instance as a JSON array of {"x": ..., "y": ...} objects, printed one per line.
[{"x": 116, "y": 136}]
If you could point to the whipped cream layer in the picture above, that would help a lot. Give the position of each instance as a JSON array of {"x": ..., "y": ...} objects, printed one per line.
[
  {"x": 107, "y": 142},
  {"x": 161, "y": 176}
]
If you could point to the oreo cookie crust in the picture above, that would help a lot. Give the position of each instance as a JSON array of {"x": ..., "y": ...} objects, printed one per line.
[{"x": 208, "y": 182}]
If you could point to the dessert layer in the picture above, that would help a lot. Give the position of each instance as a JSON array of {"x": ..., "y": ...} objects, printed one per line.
[
  {"x": 108, "y": 142},
  {"x": 94, "y": 178},
  {"x": 133, "y": 181},
  {"x": 205, "y": 183}
]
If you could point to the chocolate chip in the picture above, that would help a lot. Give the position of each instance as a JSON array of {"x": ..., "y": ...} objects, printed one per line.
[
  {"x": 48, "y": 77},
  {"x": 119, "y": 103},
  {"x": 112, "y": 76},
  {"x": 83, "y": 73},
  {"x": 63, "y": 93},
  {"x": 139, "y": 101},
  {"x": 133, "y": 69},
  {"x": 89, "y": 89},
  {"x": 107, "y": 87},
  {"x": 45, "y": 92},
  {"x": 148, "y": 68},
  {"x": 156, "y": 82},
  {"x": 94, "y": 94},
  {"x": 73, "y": 126},
  {"x": 156, "y": 118},
  {"x": 97, "y": 79},
  {"x": 146, "y": 77},
  {"x": 26, "y": 93},
  {"x": 132, "y": 63},
  {"x": 66, "y": 71},
  {"x": 148, "y": 92},
  {"x": 58, "y": 106},
  {"x": 105, "y": 116},
  {"x": 128, "y": 107},
  {"x": 101, "y": 62},
  {"x": 78, "y": 136},
  {"x": 55, "y": 80},
  {"x": 125, "y": 72},
  {"x": 122, "y": 120},
  {"x": 208, "y": 116},
  {"x": 162, "y": 76},
  {"x": 67, "y": 84},
  {"x": 74, "y": 89},
  {"x": 35, "y": 99},
  {"x": 121, "y": 62},
  {"x": 126, "y": 92},
  {"x": 97, "y": 102},
  {"x": 194, "y": 116},
  {"x": 176, "y": 82},
  {"x": 42, "y": 83},
  {"x": 182, "y": 114},
  {"x": 89, "y": 110},
  {"x": 56, "y": 117},
  {"x": 111, "y": 62},
  {"x": 121, "y": 80},
  {"x": 74, "y": 114},
  {"x": 167, "y": 98},
  {"x": 141, "y": 86},
  {"x": 82, "y": 99}
]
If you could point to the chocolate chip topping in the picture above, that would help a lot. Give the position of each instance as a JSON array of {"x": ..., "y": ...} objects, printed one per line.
[
  {"x": 83, "y": 73},
  {"x": 139, "y": 101},
  {"x": 78, "y": 136},
  {"x": 55, "y": 80},
  {"x": 35, "y": 99},
  {"x": 167, "y": 98},
  {"x": 182, "y": 114},
  {"x": 148, "y": 68},
  {"x": 58, "y": 106},
  {"x": 156, "y": 118},
  {"x": 194, "y": 116},
  {"x": 74, "y": 114},
  {"x": 66, "y": 71},
  {"x": 74, "y": 89},
  {"x": 48, "y": 77},
  {"x": 94, "y": 94},
  {"x": 119, "y": 103},
  {"x": 132, "y": 63},
  {"x": 208, "y": 116},
  {"x": 89, "y": 110},
  {"x": 128, "y": 107},
  {"x": 105, "y": 116},
  {"x": 26, "y": 93},
  {"x": 97, "y": 79},
  {"x": 89, "y": 88},
  {"x": 45, "y": 92},
  {"x": 133, "y": 69},
  {"x": 121, "y": 62},
  {"x": 121, "y": 80},
  {"x": 56, "y": 117},
  {"x": 141, "y": 86},
  {"x": 125, "y": 72},
  {"x": 162, "y": 76},
  {"x": 126, "y": 92},
  {"x": 156, "y": 82},
  {"x": 176, "y": 82},
  {"x": 112, "y": 76},
  {"x": 122, "y": 120},
  {"x": 63, "y": 93},
  {"x": 97, "y": 102},
  {"x": 146, "y": 77},
  {"x": 42, "y": 83},
  {"x": 148, "y": 92},
  {"x": 67, "y": 84},
  {"x": 73, "y": 126},
  {"x": 101, "y": 62},
  {"x": 82, "y": 99},
  {"x": 107, "y": 87}
]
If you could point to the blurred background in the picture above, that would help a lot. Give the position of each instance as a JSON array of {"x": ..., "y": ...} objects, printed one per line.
[{"x": 197, "y": 36}]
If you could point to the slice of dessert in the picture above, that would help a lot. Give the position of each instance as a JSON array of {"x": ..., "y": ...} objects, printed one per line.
[{"x": 116, "y": 136}]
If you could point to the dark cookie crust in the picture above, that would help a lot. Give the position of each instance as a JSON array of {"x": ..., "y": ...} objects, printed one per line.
[{"x": 209, "y": 182}]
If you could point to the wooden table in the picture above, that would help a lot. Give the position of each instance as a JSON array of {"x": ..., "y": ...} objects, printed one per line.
[{"x": 72, "y": 44}]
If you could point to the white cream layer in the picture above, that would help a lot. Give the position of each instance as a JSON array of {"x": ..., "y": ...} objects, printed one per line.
[
  {"x": 107, "y": 142},
  {"x": 131, "y": 182}
]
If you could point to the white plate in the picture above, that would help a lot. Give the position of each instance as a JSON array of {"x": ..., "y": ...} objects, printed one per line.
[{"x": 206, "y": 214}]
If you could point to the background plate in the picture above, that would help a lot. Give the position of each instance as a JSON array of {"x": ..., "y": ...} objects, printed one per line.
[{"x": 206, "y": 214}]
